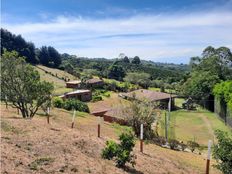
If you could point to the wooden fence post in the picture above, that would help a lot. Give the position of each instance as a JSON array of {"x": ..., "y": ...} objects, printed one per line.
[
  {"x": 73, "y": 118},
  {"x": 166, "y": 127},
  {"x": 48, "y": 116},
  {"x": 141, "y": 138},
  {"x": 6, "y": 102},
  {"x": 100, "y": 121},
  {"x": 208, "y": 157}
]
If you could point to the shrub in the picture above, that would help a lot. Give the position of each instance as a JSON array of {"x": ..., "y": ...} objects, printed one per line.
[
  {"x": 183, "y": 146},
  {"x": 193, "y": 145},
  {"x": 96, "y": 98},
  {"x": 57, "y": 102},
  {"x": 121, "y": 153},
  {"x": 110, "y": 150},
  {"x": 75, "y": 104},
  {"x": 222, "y": 152},
  {"x": 159, "y": 140},
  {"x": 173, "y": 144},
  {"x": 106, "y": 95},
  {"x": 138, "y": 113}
]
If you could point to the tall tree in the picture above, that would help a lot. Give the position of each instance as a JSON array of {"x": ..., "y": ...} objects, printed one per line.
[
  {"x": 44, "y": 56},
  {"x": 49, "y": 56},
  {"x": 21, "y": 84},
  {"x": 136, "y": 60},
  {"x": 116, "y": 72},
  {"x": 12, "y": 42},
  {"x": 55, "y": 57},
  {"x": 126, "y": 59},
  {"x": 213, "y": 66}
]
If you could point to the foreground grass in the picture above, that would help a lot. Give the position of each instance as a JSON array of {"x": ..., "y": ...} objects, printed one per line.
[{"x": 57, "y": 147}]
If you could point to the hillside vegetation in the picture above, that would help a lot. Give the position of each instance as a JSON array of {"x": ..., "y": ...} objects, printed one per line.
[
  {"x": 33, "y": 146},
  {"x": 55, "y": 76}
]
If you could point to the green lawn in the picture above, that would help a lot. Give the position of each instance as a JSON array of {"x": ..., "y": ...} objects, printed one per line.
[{"x": 192, "y": 125}]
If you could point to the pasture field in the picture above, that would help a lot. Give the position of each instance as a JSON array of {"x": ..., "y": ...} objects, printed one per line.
[
  {"x": 193, "y": 125},
  {"x": 59, "y": 84}
]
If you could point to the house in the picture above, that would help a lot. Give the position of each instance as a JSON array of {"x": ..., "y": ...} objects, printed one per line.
[
  {"x": 73, "y": 84},
  {"x": 94, "y": 83},
  {"x": 82, "y": 95},
  {"x": 151, "y": 96}
]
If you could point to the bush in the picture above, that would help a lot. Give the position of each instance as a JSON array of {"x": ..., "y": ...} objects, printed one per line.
[
  {"x": 222, "y": 152},
  {"x": 106, "y": 95},
  {"x": 193, "y": 145},
  {"x": 183, "y": 146},
  {"x": 110, "y": 151},
  {"x": 96, "y": 98},
  {"x": 121, "y": 153},
  {"x": 57, "y": 102},
  {"x": 159, "y": 140},
  {"x": 71, "y": 104},
  {"x": 173, "y": 144}
]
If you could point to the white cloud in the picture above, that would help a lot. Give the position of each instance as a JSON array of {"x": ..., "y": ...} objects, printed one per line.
[{"x": 148, "y": 36}]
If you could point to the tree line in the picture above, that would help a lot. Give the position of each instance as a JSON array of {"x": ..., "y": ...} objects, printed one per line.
[
  {"x": 46, "y": 55},
  {"x": 213, "y": 67}
]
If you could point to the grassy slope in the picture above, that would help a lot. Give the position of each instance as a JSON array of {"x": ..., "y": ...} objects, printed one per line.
[
  {"x": 58, "y": 83},
  {"x": 189, "y": 125},
  {"x": 34, "y": 146}
]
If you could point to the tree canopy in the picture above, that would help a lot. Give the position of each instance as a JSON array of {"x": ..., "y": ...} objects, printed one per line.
[
  {"x": 12, "y": 42},
  {"x": 223, "y": 91},
  {"x": 47, "y": 56},
  {"x": 116, "y": 72},
  {"x": 213, "y": 66},
  {"x": 21, "y": 85},
  {"x": 136, "y": 60},
  {"x": 142, "y": 79}
]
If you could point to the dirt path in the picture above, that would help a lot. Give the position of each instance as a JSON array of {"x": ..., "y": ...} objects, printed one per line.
[{"x": 207, "y": 123}]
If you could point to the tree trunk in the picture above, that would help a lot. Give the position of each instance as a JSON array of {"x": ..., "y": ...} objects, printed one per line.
[{"x": 23, "y": 112}]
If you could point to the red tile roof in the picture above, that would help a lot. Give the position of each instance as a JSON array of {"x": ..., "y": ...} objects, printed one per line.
[
  {"x": 149, "y": 95},
  {"x": 94, "y": 80}
]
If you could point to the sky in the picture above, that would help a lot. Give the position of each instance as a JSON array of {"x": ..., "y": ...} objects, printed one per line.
[{"x": 158, "y": 30}]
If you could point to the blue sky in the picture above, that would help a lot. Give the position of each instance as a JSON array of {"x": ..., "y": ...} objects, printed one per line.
[{"x": 158, "y": 30}]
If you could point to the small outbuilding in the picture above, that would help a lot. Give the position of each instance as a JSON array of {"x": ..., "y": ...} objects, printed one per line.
[
  {"x": 82, "y": 95},
  {"x": 94, "y": 83},
  {"x": 110, "y": 115},
  {"x": 73, "y": 84}
]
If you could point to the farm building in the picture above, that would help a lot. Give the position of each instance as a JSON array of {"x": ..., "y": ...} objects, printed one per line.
[
  {"x": 73, "y": 84},
  {"x": 94, "y": 83},
  {"x": 110, "y": 115},
  {"x": 151, "y": 96},
  {"x": 82, "y": 95},
  {"x": 91, "y": 83}
]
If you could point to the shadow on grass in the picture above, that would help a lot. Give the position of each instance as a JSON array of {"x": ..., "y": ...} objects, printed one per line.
[
  {"x": 131, "y": 170},
  {"x": 13, "y": 117}
]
